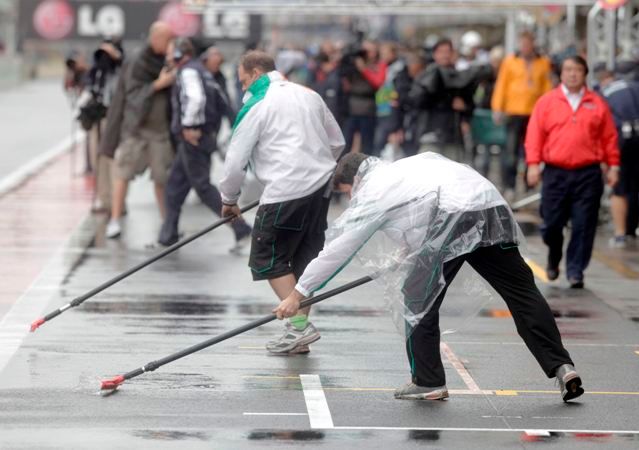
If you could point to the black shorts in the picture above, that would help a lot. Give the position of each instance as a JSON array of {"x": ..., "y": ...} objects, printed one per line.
[
  {"x": 629, "y": 173},
  {"x": 288, "y": 235}
]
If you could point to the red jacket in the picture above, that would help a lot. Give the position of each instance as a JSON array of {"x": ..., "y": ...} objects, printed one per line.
[{"x": 558, "y": 136}]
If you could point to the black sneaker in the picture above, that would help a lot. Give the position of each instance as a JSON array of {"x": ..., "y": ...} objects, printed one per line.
[
  {"x": 552, "y": 273},
  {"x": 569, "y": 382},
  {"x": 576, "y": 283}
]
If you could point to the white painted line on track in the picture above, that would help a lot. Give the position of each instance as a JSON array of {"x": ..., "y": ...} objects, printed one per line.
[
  {"x": 319, "y": 415},
  {"x": 19, "y": 175},
  {"x": 460, "y": 368},
  {"x": 537, "y": 433},
  {"x": 498, "y": 430},
  {"x": 274, "y": 414}
]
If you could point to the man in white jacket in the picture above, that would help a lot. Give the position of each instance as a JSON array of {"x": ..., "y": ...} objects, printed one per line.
[
  {"x": 290, "y": 139},
  {"x": 438, "y": 214}
]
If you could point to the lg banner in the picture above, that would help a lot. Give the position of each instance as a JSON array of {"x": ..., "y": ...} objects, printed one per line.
[{"x": 72, "y": 19}]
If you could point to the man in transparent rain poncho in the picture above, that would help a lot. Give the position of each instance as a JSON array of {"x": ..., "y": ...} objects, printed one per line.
[{"x": 435, "y": 214}]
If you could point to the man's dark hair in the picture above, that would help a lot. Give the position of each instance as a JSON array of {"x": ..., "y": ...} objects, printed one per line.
[
  {"x": 417, "y": 57},
  {"x": 347, "y": 168},
  {"x": 441, "y": 42},
  {"x": 256, "y": 59},
  {"x": 577, "y": 60}
]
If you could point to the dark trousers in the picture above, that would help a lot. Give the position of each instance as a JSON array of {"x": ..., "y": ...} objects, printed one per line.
[
  {"x": 385, "y": 126},
  {"x": 507, "y": 272},
  {"x": 628, "y": 185},
  {"x": 366, "y": 127},
  {"x": 573, "y": 195},
  {"x": 192, "y": 169},
  {"x": 511, "y": 154}
]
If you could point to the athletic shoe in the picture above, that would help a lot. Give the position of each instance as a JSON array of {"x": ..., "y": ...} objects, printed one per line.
[
  {"x": 552, "y": 273},
  {"x": 617, "y": 242},
  {"x": 293, "y": 338},
  {"x": 113, "y": 229},
  {"x": 576, "y": 283},
  {"x": 241, "y": 242},
  {"x": 569, "y": 382},
  {"x": 411, "y": 391},
  {"x": 299, "y": 350}
]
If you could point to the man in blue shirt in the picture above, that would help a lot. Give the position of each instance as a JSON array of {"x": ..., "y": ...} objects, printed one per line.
[{"x": 623, "y": 98}]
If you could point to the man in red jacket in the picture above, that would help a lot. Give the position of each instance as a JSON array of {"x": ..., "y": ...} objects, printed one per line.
[{"x": 572, "y": 132}]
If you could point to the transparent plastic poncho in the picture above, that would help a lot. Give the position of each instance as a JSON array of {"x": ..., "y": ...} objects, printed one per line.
[{"x": 410, "y": 217}]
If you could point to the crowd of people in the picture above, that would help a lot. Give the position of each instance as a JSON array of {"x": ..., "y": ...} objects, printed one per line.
[{"x": 163, "y": 108}]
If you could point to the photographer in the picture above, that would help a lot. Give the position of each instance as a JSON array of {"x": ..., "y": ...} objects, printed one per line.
[
  {"x": 98, "y": 86},
  {"x": 136, "y": 135},
  {"x": 100, "y": 83},
  {"x": 364, "y": 74},
  {"x": 75, "y": 73}
]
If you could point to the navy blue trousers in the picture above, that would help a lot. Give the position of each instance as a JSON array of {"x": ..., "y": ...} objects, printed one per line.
[
  {"x": 192, "y": 169},
  {"x": 570, "y": 195},
  {"x": 366, "y": 127}
]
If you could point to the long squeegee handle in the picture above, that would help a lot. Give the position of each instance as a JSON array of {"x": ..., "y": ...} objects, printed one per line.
[
  {"x": 81, "y": 299},
  {"x": 244, "y": 328}
]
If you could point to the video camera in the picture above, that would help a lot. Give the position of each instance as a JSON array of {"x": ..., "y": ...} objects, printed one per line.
[{"x": 350, "y": 53}]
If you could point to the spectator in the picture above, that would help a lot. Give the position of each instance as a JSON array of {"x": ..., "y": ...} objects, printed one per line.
[
  {"x": 138, "y": 123},
  {"x": 485, "y": 132},
  {"x": 361, "y": 83},
  {"x": 387, "y": 98},
  {"x": 198, "y": 104},
  {"x": 472, "y": 53},
  {"x": 486, "y": 88},
  {"x": 623, "y": 98},
  {"x": 410, "y": 117},
  {"x": 522, "y": 79},
  {"x": 75, "y": 73},
  {"x": 572, "y": 132},
  {"x": 213, "y": 60},
  {"x": 100, "y": 84},
  {"x": 445, "y": 95},
  {"x": 325, "y": 80}
]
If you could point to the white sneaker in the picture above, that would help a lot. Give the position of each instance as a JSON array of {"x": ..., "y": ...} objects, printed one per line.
[
  {"x": 113, "y": 229},
  {"x": 293, "y": 339},
  {"x": 617, "y": 242},
  {"x": 240, "y": 244}
]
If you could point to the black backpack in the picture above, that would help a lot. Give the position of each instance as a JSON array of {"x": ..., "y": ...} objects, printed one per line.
[{"x": 217, "y": 103}]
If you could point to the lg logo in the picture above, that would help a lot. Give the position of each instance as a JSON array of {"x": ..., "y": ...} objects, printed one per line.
[
  {"x": 108, "y": 20},
  {"x": 56, "y": 19},
  {"x": 233, "y": 25},
  {"x": 84, "y": 19}
]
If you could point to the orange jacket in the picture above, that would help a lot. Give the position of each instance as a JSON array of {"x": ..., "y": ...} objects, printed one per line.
[
  {"x": 518, "y": 86},
  {"x": 558, "y": 136}
]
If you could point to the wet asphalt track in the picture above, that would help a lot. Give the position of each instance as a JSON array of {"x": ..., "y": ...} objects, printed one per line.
[{"x": 234, "y": 395}]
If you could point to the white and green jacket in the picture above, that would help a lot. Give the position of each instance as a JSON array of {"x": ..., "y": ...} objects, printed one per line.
[{"x": 287, "y": 135}]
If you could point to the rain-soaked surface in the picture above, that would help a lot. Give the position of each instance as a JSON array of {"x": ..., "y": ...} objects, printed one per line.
[{"x": 234, "y": 395}]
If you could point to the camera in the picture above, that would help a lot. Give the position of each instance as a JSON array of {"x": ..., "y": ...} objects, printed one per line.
[{"x": 350, "y": 54}]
